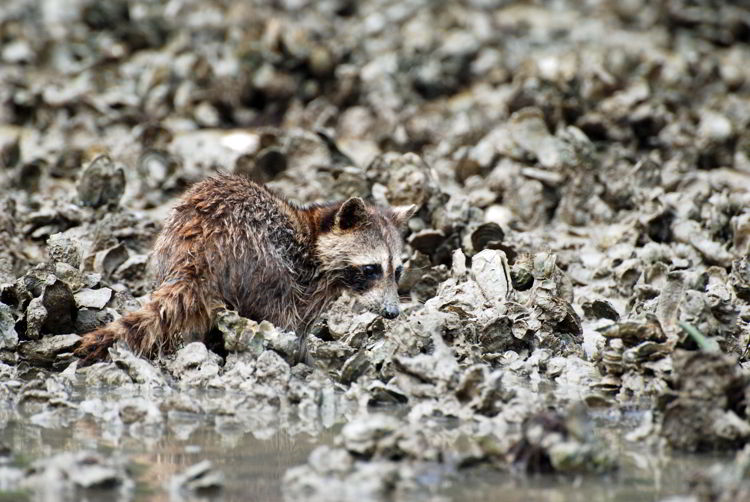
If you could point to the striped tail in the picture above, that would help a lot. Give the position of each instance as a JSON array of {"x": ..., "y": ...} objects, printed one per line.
[{"x": 176, "y": 309}]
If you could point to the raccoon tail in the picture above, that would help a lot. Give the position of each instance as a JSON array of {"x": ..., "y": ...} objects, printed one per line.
[{"x": 176, "y": 309}]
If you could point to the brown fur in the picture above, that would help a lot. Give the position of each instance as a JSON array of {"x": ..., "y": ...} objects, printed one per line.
[{"x": 233, "y": 243}]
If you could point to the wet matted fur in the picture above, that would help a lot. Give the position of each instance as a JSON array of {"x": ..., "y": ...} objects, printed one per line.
[{"x": 232, "y": 243}]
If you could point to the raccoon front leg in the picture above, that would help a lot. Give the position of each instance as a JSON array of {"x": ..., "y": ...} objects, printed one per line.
[{"x": 178, "y": 307}]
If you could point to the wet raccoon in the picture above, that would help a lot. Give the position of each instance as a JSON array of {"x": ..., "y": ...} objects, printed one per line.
[{"x": 231, "y": 243}]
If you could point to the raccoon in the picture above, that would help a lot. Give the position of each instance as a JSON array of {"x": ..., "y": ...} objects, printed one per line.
[{"x": 232, "y": 243}]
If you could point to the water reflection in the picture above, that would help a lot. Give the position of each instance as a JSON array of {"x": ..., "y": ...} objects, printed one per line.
[
  {"x": 254, "y": 452},
  {"x": 253, "y": 468}
]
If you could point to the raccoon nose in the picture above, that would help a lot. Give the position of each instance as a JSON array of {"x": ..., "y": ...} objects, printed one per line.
[{"x": 391, "y": 311}]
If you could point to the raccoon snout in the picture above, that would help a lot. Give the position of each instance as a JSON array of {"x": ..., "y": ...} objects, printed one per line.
[{"x": 390, "y": 311}]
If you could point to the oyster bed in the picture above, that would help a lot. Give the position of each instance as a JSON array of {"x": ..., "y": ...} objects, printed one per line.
[{"x": 577, "y": 278}]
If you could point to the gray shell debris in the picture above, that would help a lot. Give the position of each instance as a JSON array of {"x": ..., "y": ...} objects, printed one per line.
[
  {"x": 69, "y": 475},
  {"x": 582, "y": 172},
  {"x": 200, "y": 477},
  {"x": 102, "y": 183}
]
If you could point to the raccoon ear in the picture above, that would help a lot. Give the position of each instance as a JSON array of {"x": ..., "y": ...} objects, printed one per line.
[
  {"x": 351, "y": 214},
  {"x": 401, "y": 214}
]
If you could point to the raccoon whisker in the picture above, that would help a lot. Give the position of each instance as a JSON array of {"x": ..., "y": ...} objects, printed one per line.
[
  {"x": 410, "y": 301},
  {"x": 421, "y": 268}
]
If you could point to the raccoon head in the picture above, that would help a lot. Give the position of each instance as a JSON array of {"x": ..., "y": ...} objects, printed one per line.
[{"x": 360, "y": 248}]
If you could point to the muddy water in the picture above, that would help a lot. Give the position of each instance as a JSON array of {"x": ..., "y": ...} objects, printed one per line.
[
  {"x": 644, "y": 475},
  {"x": 645, "y": 482},
  {"x": 253, "y": 468},
  {"x": 254, "y": 463}
]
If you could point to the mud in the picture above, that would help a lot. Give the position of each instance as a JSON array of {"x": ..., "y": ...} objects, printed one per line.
[{"x": 580, "y": 257}]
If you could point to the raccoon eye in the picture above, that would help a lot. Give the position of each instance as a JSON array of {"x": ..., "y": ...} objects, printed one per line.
[
  {"x": 398, "y": 272},
  {"x": 372, "y": 271}
]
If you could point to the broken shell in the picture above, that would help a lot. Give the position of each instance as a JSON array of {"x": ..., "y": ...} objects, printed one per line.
[
  {"x": 102, "y": 183},
  {"x": 107, "y": 261},
  {"x": 487, "y": 236},
  {"x": 702, "y": 415},
  {"x": 407, "y": 177},
  {"x": 740, "y": 277},
  {"x": 264, "y": 166},
  {"x": 201, "y": 477},
  {"x": 490, "y": 270},
  {"x": 82, "y": 469},
  {"x": 529, "y": 131},
  {"x": 427, "y": 241},
  {"x": 521, "y": 273},
  {"x": 608, "y": 384},
  {"x": 48, "y": 348},
  {"x": 8, "y": 334},
  {"x": 65, "y": 249},
  {"x": 58, "y": 301},
  {"x": 157, "y": 166},
  {"x": 10, "y": 152},
  {"x": 600, "y": 309},
  {"x": 355, "y": 367},
  {"x": 92, "y": 298},
  {"x": 633, "y": 333}
]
